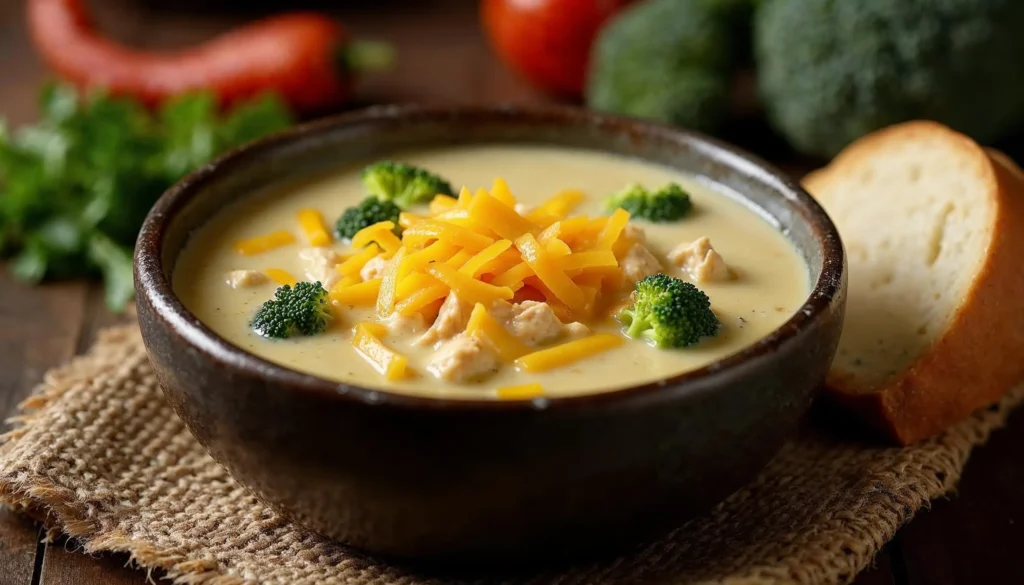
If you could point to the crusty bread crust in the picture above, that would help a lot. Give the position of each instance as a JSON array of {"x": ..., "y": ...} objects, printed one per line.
[{"x": 980, "y": 355}]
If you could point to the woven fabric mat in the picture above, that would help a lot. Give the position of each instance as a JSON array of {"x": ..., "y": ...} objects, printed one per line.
[{"x": 102, "y": 458}]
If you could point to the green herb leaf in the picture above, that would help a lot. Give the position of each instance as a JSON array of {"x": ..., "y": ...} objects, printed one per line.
[
  {"x": 76, "y": 185},
  {"x": 189, "y": 133},
  {"x": 252, "y": 120},
  {"x": 115, "y": 263}
]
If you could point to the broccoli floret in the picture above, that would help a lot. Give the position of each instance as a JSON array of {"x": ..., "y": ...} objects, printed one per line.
[
  {"x": 670, "y": 203},
  {"x": 370, "y": 211},
  {"x": 303, "y": 309},
  {"x": 404, "y": 184},
  {"x": 830, "y": 71},
  {"x": 670, "y": 61},
  {"x": 669, "y": 312}
]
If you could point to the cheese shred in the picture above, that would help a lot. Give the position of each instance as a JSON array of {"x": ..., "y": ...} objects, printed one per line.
[
  {"x": 568, "y": 353},
  {"x": 261, "y": 244},
  {"x": 391, "y": 364},
  {"x": 312, "y": 223},
  {"x": 487, "y": 249}
]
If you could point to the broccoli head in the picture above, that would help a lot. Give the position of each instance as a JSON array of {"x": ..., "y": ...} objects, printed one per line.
[
  {"x": 670, "y": 203},
  {"x": 831, "y": 71},
  {"x": 669, "y": 313},
  {"x": 404, "y": 184},
  {"x": 370, "y": 211},
  {"x": 670, "y": 61},
  {"x": 303, "y": 309}
]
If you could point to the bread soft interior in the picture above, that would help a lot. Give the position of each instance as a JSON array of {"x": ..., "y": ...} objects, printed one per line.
[{"x": 916, "y": 220}]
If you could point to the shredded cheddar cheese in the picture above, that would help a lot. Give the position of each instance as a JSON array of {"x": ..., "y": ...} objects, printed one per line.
[
  {"x": 482, "y": 325},
  {"x": 421, "y": 298},
  {"x": 491, "y": 214},
  {"x": 587, "y": 260},
  {"x": 382, "y": 234},
  {"x": 486, "y": 250},
  {"x": 441, "y": 203},
  {"x": 475, "y": 265},
  {"x": 568, "y": 353},
  {"x": 261, "y": 244},
  {"x": 501, "y": 192},
  {"x": 456, "y": 235},
  {"x": 407, "y": 220},
  {"x": 362, "y": 294},
  {"x": 431, "y": 310},
  {"x": 555, "y": 208},
  {"x": 556, "y": 280},
  {"x": 439, "y": 251},
  {"x": 514, "y": 277},
  {"x": 521, "y": 392},
  {"x": 465, "y": 195},
  {"x": 375, "y": 329},
  {"x": 312, "y": 223},
  {"x": 392, "y": 365},
  {"x": 343, "y": 282},
  {"x": 281, "y": 277},
  {"x": 459, "y": 259},
  {"x": 557, "y": 248},
  {"x": 386, "y": 294},
  {"x": 453, "y": 247},
  {"x": 612, "y": 229},
  {"x": 505, "y": 261},
  {"x": 413, "y": 283},
  {"x": 467, "y": 288},
  {"x": 355, "y": 264}
]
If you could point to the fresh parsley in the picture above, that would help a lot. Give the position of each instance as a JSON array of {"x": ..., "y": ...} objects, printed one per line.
[{"x": 76, "y": 185}]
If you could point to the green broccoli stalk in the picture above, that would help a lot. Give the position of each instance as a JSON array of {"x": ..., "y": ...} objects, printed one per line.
[
  {"x": 831, "y": 71},
  {"x": 303, "y": 309},
  {"x": 368, "y": 212},
  {"x": 404, "y": 184},
  {"x": 669, "y": 313},
  {"x": 670, "y": 203},
  {"x": 671, "y": 61}
]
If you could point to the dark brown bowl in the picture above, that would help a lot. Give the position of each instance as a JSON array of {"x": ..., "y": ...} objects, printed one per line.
[{"x": 487, "y": 481}]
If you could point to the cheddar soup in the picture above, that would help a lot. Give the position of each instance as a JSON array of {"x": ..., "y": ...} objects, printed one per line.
[{"x": 754, "y": 277}]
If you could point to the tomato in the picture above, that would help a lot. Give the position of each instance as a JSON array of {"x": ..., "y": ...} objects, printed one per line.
[{"x": 547, "y": 41}]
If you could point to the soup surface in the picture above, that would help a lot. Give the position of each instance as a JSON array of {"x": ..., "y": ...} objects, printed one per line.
[{"x": 768, "y": 278}]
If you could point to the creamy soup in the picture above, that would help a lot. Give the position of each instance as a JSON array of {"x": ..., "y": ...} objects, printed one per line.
[{"x": 767, "y": 279}]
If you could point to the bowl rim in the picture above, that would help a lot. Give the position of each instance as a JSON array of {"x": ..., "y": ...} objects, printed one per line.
[{"x": 156, "y": 289}]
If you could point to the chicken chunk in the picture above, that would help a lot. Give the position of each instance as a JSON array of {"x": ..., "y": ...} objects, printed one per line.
[
  {"x": 451, "y": 319},
  {"x": 319, "y": 265},
  {"x": 700, "y": 261},
  {"x": 535, "y": 323},
  {"x": 577, "y": 329},
  {"x": 634, "y": 233},
  {"x": 502, "y": 311},
  {"x": 399, "y": 324},
  {"x": 639, "y": 263},
  {"x": 374, "y": 268},
  {"x": 463, "y": 358},
  {"x": 246, "y": 278}
]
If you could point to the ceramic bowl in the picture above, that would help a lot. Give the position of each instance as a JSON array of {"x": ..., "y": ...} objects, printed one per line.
[{"x": 487, "y": 481}]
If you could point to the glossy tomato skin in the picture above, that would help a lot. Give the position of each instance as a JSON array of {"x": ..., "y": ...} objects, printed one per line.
[{"x": 547, "y": 41}]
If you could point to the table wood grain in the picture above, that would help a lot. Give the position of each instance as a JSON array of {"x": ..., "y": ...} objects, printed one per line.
[{"x": 973, "y": 538}]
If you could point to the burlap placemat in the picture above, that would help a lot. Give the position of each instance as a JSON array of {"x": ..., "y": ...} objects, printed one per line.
[{"x": 102, "y": 458}]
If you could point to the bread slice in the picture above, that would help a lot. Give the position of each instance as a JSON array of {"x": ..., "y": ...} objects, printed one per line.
[{"x": 934, "y": 233}]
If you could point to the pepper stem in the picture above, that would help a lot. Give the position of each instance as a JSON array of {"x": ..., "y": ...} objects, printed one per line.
[{"x": 368, "y": 56}]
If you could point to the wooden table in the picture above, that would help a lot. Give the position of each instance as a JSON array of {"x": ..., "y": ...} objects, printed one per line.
[{"x": 975, "y": 538}]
